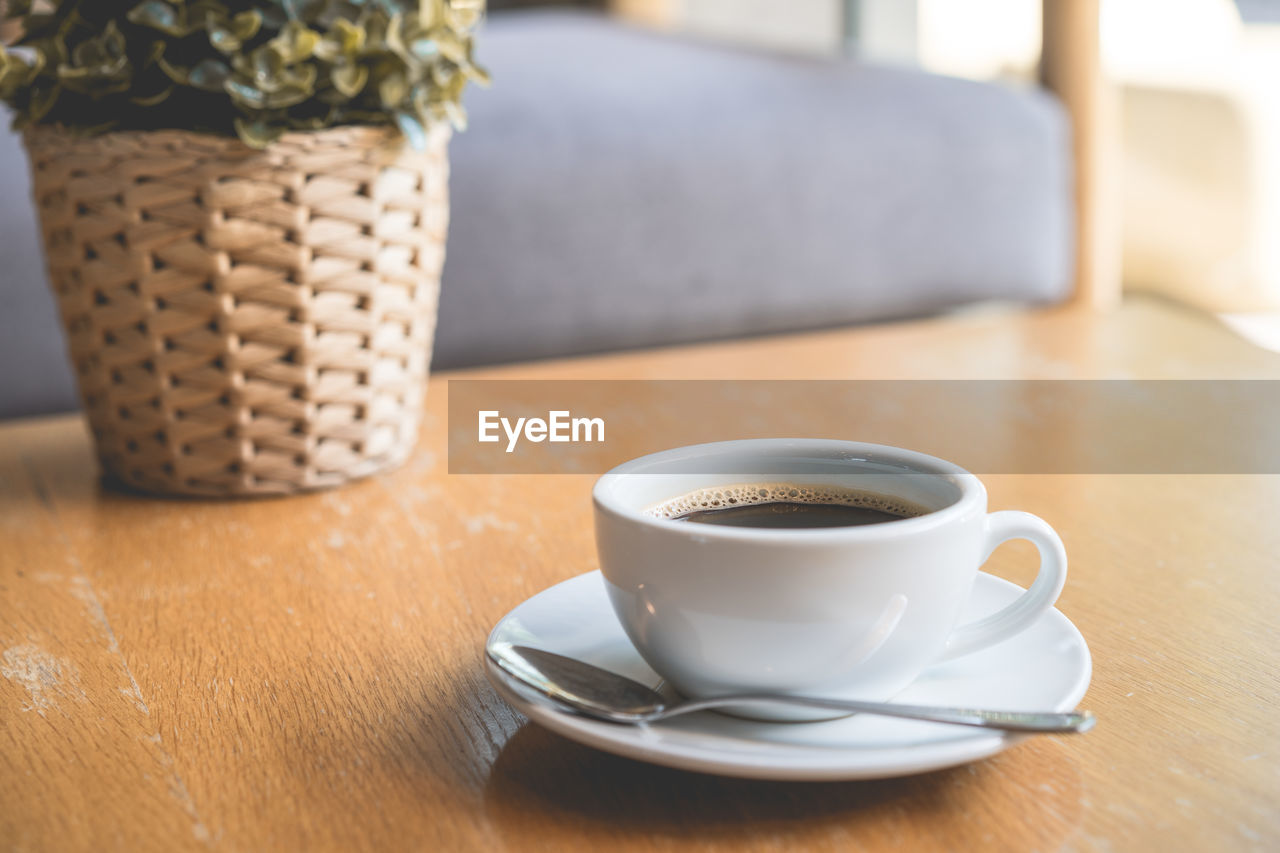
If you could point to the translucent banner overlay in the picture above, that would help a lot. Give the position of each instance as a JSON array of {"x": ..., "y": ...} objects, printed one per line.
[{"x": 988, "y": 426}]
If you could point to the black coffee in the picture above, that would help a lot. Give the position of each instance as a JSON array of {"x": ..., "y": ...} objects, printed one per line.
[
  {"x": 791, "y": 515},
  {"x": 784, "y": 505}
]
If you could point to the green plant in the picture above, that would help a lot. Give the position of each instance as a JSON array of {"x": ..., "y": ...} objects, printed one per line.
[{"x": 256, "y": 68}]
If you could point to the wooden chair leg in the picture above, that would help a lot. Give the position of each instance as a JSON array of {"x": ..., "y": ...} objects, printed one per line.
[{"x": 1071, "y": 67}]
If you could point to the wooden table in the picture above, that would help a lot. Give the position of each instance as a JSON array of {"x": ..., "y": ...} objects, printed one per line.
[{"x": 305, "y": 673}]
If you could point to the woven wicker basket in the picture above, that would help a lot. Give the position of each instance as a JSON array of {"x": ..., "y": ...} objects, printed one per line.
[{"x": 245, "y": 322}]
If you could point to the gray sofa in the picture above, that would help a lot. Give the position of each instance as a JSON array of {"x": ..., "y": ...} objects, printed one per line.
[{"x": 619, "y": 189}]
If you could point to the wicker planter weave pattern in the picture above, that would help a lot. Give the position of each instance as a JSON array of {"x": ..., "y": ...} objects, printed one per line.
[{"x": 245, "y": 322}]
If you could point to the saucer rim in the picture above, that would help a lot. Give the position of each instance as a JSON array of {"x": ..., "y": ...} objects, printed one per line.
[{"x": 820, "y": 763}]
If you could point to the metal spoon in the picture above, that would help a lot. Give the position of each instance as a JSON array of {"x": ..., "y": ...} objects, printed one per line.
[{"x": 605, "y": 695}]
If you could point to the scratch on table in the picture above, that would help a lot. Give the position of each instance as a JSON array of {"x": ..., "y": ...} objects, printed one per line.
[
  {"x": 83, "y": 590},
  {"x": 37, "y": 484},
  {"x": 40, "y": 672},
  {"x": 488, "y": 521},
  {"x": 423, "y": 461},
  {"x": 42, "y": 675},
  {"x": 337, "y": 504}
]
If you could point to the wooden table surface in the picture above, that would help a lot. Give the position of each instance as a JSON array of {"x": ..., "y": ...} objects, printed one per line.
[{"x": 305, "y": 673}]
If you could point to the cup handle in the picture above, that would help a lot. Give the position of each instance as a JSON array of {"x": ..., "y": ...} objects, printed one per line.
[{"x": 1000, "y": 528}]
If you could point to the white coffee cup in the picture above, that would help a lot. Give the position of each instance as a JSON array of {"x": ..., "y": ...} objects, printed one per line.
[{"x": 853, "y": 612}]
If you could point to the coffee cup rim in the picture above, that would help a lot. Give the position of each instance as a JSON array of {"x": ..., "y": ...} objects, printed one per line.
[{"x": 972, "y": 492}]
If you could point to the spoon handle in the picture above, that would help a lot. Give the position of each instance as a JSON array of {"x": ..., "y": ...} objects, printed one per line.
[{"x": 1012, "y": 721}]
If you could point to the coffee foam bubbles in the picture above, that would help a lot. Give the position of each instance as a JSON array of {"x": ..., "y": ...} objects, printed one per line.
[{"x": 748, "y": 494}]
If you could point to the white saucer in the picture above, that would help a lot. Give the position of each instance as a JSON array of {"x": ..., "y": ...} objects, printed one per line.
[{"x": 1045, "y": 668}]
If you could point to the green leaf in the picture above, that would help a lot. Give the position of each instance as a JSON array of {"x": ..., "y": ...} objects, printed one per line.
[
  {"x": 257, "y": 134},
  {"x": 152, "y": 100},
  {"x": 245, "y": 25},
  {"x": 296, "y": 42},
  {"x": 393, "y": 90},
  {"x": 163, "y": 17},
  {"x": 229, "y": 36},
  {"x": 253, "y": 68},
  {"x": 245, "y": 95},
  {"x": 14, "y": 73},
  {"x": 209, "y": 75},
  {"x": 412, "y": 129},
  {"x": 349, "y": 79}
]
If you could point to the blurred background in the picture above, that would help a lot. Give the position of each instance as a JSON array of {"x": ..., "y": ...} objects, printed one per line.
[
  {"x": 1199, "y": 89},
  {"x": 654, "y": 172}
]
